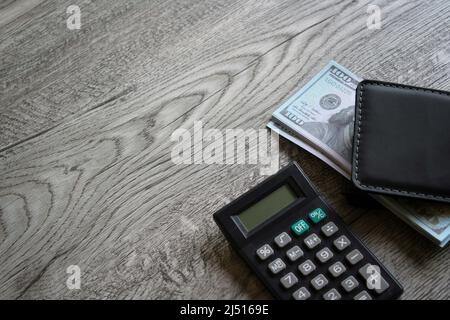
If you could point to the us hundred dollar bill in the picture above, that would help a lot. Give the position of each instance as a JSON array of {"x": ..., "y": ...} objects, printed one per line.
[{"x": 319, "y": 118}]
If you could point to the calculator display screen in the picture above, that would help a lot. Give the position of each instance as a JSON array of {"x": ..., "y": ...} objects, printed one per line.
[{"x": 267, "y": 207}]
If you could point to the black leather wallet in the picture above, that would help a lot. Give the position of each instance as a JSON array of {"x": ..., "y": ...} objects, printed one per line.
[{"x": 402, "y": 140}]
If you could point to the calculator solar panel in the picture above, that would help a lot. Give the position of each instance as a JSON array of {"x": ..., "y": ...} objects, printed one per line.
[{"x": 299, "y": 247}]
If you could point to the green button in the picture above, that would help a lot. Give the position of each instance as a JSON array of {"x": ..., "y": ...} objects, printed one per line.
[
  {"x": 300, "y": 227},
  {"x": 317, "y": 215}
]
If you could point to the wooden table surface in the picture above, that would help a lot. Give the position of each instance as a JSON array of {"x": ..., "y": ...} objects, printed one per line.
[{"x": 86, "y": 118}]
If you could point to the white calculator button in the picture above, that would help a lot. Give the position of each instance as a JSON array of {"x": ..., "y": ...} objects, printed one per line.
[
  {"x": 333, "y": 294},
  {"x": 282, "y": 239},
  {"x": 349, "y": 284},
  {"x": 337, "y": 269},
  {"x": 294, "y": 253},
  {"x": 341, "y": 243},
  {"x": 324, "y": 255},
  {"x": 319, "y": 282},
  {"x": 277, "y": 266},
  {"x": 301, "y": 294},
  {"x": 264, "y": 252},
  {"x": 329, "y": 229},
  {"x": 354, "y": 257},
  {"x": 306, "y": 267},
  {"x": 288, "y": 280},
  {"x": 312, "y": 241}
]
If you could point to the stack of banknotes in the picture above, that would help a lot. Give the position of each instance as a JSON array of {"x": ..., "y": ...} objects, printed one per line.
[{"x": 319, "y": 118}]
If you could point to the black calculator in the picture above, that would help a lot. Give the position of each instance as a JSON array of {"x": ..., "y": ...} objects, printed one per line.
[{"x": 299, "y": 247}]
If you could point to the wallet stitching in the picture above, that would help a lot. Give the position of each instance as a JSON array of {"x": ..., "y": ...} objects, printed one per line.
[{"x": 359, "y": 138}]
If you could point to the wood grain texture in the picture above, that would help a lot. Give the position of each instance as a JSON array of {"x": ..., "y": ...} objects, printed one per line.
[
  {"x": 86, "y": 120},
  {"x": 49, "y": 72}
]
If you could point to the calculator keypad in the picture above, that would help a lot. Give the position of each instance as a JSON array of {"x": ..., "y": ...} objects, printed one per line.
[
  {"x": 288, "y": 280},
  {"x": 354, "y": 257},
  {"x": 301, "y": 294},
  {"x": 329, "y": 229},
  {"x": 324, "y": 255},
  {"x": 282, "y": 240},
  {"x": 307, "y": 267},
  {"x": 277, "y": 266},
  {"x": 319, "y": 282},
  {"x": 294, "y": 253},
  {"x": 333, "y": 294},
  {"x": 334, "y": 252},
  {"x": 341, "y": 243},
  {"x": 312, "y": 241},
  {"x": 264, "y": 252},
  {"x": 337, "y": 269},
  {"x": 350, "y": 283},
  {"x": 317, "y": 215}
]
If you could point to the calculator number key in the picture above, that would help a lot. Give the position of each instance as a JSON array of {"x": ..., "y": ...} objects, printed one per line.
[
  {"x": 363, "y": 295},
  {"x": 306, "y": 267},
  {"x": 317, "y": 215},
  {"x": 264, "y": 252},
  {"x": 333, "y": 294},
  {"x": 324, "y": 255},
  {"x": 349, "y": 283},
  {"x": 329, "y": 229},
  {"x": 374, "y": 280},
  {"x": 337, "y": 269},
  {"x": 288, "y": 280},
  {"x": 301, "y": 294},
  {"x": 341, "y": 243},
  {"x": 282, "y": 239},
  {"x": 294, "y": 253},
  {"x": 277, "y": 265},
  {"x": 319, "y": 282},
  {"x": 312, "y": 241},
  {"x": 354, "y": 257}
]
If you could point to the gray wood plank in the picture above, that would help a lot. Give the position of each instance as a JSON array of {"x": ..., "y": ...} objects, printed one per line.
[
  {"x": 99, "y": 189},
  {"x": 49, "y": 73}
]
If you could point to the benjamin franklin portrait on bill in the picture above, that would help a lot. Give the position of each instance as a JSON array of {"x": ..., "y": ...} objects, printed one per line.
[{"x": 337, "y": 133}]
